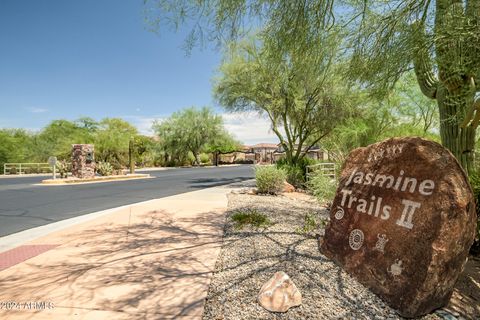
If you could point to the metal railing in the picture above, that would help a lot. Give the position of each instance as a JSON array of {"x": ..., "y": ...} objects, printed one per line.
[
  {"x": 328, "y": 169},
  {"x": 26, "y": 168}
]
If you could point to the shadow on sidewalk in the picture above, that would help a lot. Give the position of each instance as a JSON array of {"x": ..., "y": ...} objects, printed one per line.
[{"x": 157, "y": 268}]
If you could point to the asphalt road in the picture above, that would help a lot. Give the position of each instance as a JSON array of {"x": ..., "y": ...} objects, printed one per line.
[{"x": 24, "y": 205}]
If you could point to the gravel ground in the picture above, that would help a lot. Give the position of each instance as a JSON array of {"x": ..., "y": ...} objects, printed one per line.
[{"x": 249, "y": 257}]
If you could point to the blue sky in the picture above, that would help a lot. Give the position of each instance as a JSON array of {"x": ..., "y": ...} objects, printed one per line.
[{"x": 68, "y": 58}]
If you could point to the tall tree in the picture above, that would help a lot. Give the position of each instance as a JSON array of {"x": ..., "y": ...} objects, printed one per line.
[
  {"x": 16, "y": 145},
  {"x": 112, "y": 140},
  {"x": 298, "y": 91},
  {"x": 189, "y": 130},
  {"x": 57, "y": 137}
]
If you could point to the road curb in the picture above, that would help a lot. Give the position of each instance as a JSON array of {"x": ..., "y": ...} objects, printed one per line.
[{"x": 53, "y": 182}]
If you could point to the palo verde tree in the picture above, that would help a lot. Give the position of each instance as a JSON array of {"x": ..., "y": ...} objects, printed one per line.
[
  {"x": 112, "y": 141},
  {"x": 297, "y": 90},
  {"x": 189, "y": 130}
]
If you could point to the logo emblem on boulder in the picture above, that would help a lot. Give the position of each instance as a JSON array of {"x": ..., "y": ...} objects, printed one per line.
[
  {"x": 356, "y": 239},
  {"x": 339, "y": 213}
]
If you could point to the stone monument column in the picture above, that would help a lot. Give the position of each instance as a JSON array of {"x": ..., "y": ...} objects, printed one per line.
[{"x": 83, "y": 161}]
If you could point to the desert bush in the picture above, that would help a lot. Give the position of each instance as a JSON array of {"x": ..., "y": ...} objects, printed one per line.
[
  {"x": 62, "y": 168},
  {"x": 321, "y": 186},
  {"x": 204, "y": 158},
  {"x": 296, "y": 174},
  {"x": 250, "y": 217},
  {"x": 104, "y": 168},
  {"x": 269, "y": 179}
]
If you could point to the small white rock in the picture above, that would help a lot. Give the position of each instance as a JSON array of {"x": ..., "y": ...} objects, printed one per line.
[{"x": 279, "y": 293}]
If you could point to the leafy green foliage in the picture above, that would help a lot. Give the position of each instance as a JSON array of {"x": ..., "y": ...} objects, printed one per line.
[
  {"x": 298, "y": 91},
  {"x": 296, "y": 173},
  {"x": 204, "y": 158},
  {"x": 145, "y": 150},
  {"x": 104, "y": 168},
  {"x": 110, "y": 136},
  {"x": 56, "y": 139},
  {"x": 192, "y": 131},
  {"x": 62, "y": 168},
  {"x": 250, "y": 217},
  {"x": 405, "y": 112},
  {"x": 287, "y": 24},
  {"x": 269, "y": 179},
  {"x": 321, "y": 186},
  {"x": 111, "y": 141},
  {"x": 15, "y": 146}
]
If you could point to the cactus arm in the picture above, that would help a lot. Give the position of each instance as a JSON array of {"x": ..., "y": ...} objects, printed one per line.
[
  {"x": 422, "y": 63},
  {"x": 476, "y": 118}
]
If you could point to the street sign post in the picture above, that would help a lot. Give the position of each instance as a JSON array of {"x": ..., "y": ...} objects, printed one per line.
[{"x": 52, "y": 161}]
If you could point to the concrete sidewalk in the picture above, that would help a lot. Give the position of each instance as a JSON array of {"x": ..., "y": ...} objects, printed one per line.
[{"x": 150, "y": 260}]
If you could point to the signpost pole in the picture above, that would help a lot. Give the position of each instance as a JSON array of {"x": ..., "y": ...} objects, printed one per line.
[{"x": 52, "y": 161}]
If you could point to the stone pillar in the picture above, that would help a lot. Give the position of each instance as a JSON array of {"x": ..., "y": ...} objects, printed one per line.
[{"x": 83, "y": 161}]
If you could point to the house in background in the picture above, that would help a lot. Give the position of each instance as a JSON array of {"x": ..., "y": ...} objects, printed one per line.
[
  {"x": 262, "y": 152},
  {"x": 239, "y": 156},
  {"x": 315, "y": 153},
  {"x": 267, "y": 153}
]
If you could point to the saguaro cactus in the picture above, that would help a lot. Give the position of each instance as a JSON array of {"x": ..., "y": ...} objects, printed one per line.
[{"x": 455, "y": 80}]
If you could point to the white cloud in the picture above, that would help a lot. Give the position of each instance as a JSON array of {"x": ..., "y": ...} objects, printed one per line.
[
  {"x": 36, "y": 110},
  {"x": 249, "y": 127}
]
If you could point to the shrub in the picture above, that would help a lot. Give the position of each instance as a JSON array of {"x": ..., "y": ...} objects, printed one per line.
[
  {"x": 190, "y": 161},
  {"x": 62, "y": 168},
  {"x": 296, "y": 174},
  {"x": 321, "y": 186},
  {"x": 250, "y": 217},
  {"x": 269, "y": 179},
  {"x": 204, "y": 158},
  {"x": 104, "y": 168},
  {"x": 13, "y": 170},
  {"x": 475, "y": 183}
]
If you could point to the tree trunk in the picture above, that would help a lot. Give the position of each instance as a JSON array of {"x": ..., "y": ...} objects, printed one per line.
[{"x": 460, "y": 141}]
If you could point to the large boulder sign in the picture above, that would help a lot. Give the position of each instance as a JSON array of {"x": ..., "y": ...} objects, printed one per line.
[{"x": 402, "y": 222}]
